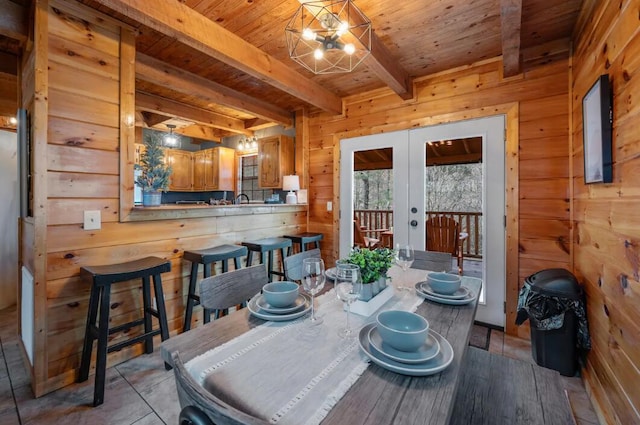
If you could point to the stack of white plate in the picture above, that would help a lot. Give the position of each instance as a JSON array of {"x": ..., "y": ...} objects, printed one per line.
[
  {"x": 433, "y": 357},
  {"x": 260, "y": 308}
]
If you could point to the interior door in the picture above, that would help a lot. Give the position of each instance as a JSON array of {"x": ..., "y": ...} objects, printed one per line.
[
  {"x": 491, "y": 130},
  {"x": 398, "y": 142}
]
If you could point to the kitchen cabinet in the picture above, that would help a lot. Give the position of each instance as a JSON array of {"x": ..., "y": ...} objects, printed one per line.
[
  {"x": 275, "y": 159},
  {"x": 182, "y": 169},
  {"x": 213, "y": 169}
]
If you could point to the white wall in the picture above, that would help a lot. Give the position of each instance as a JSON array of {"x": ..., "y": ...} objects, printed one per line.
[{"x": 9, "y": 203}]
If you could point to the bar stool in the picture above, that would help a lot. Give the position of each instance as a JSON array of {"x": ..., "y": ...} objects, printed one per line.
[
  {"x": 101, "y": 278},
  {"x": 207, "y": 257},
  {"x": 268, "y": 245},
  {"x": 304, "y": 238}
]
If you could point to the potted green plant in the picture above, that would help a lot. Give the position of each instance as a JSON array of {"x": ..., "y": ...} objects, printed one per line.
[
  {"x": 374, "y": 264},
  {"x": 154, "y": 178}
]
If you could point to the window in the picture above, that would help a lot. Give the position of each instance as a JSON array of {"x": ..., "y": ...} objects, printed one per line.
[{"x": 248, "y": 181}]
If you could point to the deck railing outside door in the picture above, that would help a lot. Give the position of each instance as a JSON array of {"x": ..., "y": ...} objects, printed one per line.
[{"x": 375, "y": 222}]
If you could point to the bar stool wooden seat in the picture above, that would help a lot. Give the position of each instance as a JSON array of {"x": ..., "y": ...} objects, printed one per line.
[
  {"x": 305, "y": 238},
  {"x": 101, "y": 278},
  {"x": 268, "y": 246},
  {"x": 207, "y": 257}
]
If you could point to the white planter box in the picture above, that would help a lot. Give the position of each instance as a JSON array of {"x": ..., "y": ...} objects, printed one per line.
[{"x": 367, "y": 308}]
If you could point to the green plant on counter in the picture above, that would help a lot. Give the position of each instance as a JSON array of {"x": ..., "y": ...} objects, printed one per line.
[
  {"x": 155, "y": 173},
  {"x": 374, "y": 263}
]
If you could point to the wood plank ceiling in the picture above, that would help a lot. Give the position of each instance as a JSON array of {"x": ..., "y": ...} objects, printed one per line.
[{"x": 237, "y": 49}]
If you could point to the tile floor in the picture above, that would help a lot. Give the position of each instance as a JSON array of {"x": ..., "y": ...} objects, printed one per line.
[{"x": 141, "y": 392}]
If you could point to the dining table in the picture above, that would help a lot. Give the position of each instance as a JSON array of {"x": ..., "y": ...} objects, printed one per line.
[{"x": 373, "y": 395}]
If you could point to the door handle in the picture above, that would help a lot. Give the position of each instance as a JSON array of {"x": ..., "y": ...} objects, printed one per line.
[{"x": 414, "y": 223}]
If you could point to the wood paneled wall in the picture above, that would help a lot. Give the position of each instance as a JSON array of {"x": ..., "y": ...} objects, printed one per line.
[
  {"x": 540, "y": 96},
  {"x": 607, "y": 216},
  {"x": 83, "y": 108}
]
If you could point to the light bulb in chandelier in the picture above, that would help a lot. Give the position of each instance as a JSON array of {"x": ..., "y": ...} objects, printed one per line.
[
  {"x": 349, "y": 48},
  {"x": 308, "y": 34},
  {"x": 318, "y": 54},
  {"x": 342, "y": 29}
]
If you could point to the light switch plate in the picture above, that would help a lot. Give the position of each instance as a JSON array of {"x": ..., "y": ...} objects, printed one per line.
[
  {"x": 92, "y": 220},
  {"x": 329, "y": 206}
]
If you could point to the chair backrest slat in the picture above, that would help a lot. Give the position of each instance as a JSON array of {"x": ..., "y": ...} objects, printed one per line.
[
  {"x": 225, "y": 290},
  {"x": 432, "y": 260},
  {"x": 293, "y": 264},
  {"x": 442, "y": 234}
]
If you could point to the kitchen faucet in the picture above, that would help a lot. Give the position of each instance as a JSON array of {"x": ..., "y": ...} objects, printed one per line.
[{"x": 239, "y": 198}]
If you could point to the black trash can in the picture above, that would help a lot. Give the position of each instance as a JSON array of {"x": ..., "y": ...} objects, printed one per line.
[{"x": 553, "y": 301}]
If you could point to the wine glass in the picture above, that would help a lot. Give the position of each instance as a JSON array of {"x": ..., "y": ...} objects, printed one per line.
[
  {"x": 404, "y": 258},
  {"x": 348, "y": 289},
  {"x": 313, "y": 282}
]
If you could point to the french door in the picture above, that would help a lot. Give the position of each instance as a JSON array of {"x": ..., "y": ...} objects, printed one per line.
[{"x": 410, "y": 151}]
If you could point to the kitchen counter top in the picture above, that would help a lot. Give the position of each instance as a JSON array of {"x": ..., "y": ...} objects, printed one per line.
[{"x": 173, "y": 211}]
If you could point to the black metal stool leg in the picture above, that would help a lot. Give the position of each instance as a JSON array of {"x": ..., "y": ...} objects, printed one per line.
[
  {"x": 270, "y": 265},
  {"x": 161, "y": 309},
  {"x": 103, "y": 337},
  {"x": 191, "y": 297},
  {"x": 146, "y": 302},
  {"x": 249, "y": 258},
  {"x": 92, "y": 315}
]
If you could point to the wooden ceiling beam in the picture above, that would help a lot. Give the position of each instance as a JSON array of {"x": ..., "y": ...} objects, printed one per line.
[
  {"x": 170, "y": 108},
  {"x": 151, "y": 118},
  {"x": 511, "y": 23},
  {"x": 257, "y": 124},
  {"x": 161, "y": 73},
  {"x": 200, "y": 132},
  {"x": 388, "y": 69},
  {"x": 13, "y": 21},
  {"x": 176, "y": 20}
]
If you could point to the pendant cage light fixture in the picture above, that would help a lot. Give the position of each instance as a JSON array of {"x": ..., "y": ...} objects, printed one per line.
[
  {"x": 329, "y": 37},
  {"x": 171, "y": 140}
]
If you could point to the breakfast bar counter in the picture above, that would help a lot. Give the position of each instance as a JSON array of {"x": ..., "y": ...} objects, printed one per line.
[
  {"x": 378, "y": 395},
  {"x": 178, "y": 211}
]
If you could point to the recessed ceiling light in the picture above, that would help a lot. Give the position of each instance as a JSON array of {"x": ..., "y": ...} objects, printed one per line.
[{"x": 13, "y": 120}]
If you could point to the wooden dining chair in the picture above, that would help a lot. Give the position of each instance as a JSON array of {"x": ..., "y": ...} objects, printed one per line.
[
  {"x": 293, "y": 264},
  {"x": 200, "y": 407},
  {"x": 359, "y": 238},
  {"x": 432, "y": 260},
  {"x": 225, "y": 290},
  {"x": 443, "y": 235}
]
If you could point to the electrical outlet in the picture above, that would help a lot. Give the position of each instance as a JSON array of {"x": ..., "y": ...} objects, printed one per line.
[
  {"x": 329, "y": 206},
  {"x": 92, "y": 220}
]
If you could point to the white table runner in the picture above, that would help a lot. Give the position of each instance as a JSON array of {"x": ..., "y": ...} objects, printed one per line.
[{"x": 289, "y": 372}]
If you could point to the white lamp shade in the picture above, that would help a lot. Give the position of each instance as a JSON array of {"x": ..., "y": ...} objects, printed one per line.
[{"x": 291, "y": 183}]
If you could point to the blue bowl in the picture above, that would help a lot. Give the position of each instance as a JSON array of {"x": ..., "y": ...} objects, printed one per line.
[
  {"x": 444, "y": 283},
  {"x": 280, "y": 294},
  {"x": 402, "y": 330}
]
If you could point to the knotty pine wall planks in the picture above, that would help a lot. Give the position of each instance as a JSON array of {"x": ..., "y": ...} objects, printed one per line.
[
  {"x": 80, "y": 95},
  {"x": 540, "y": 96},
  {"x": 606, "y": 216}
]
